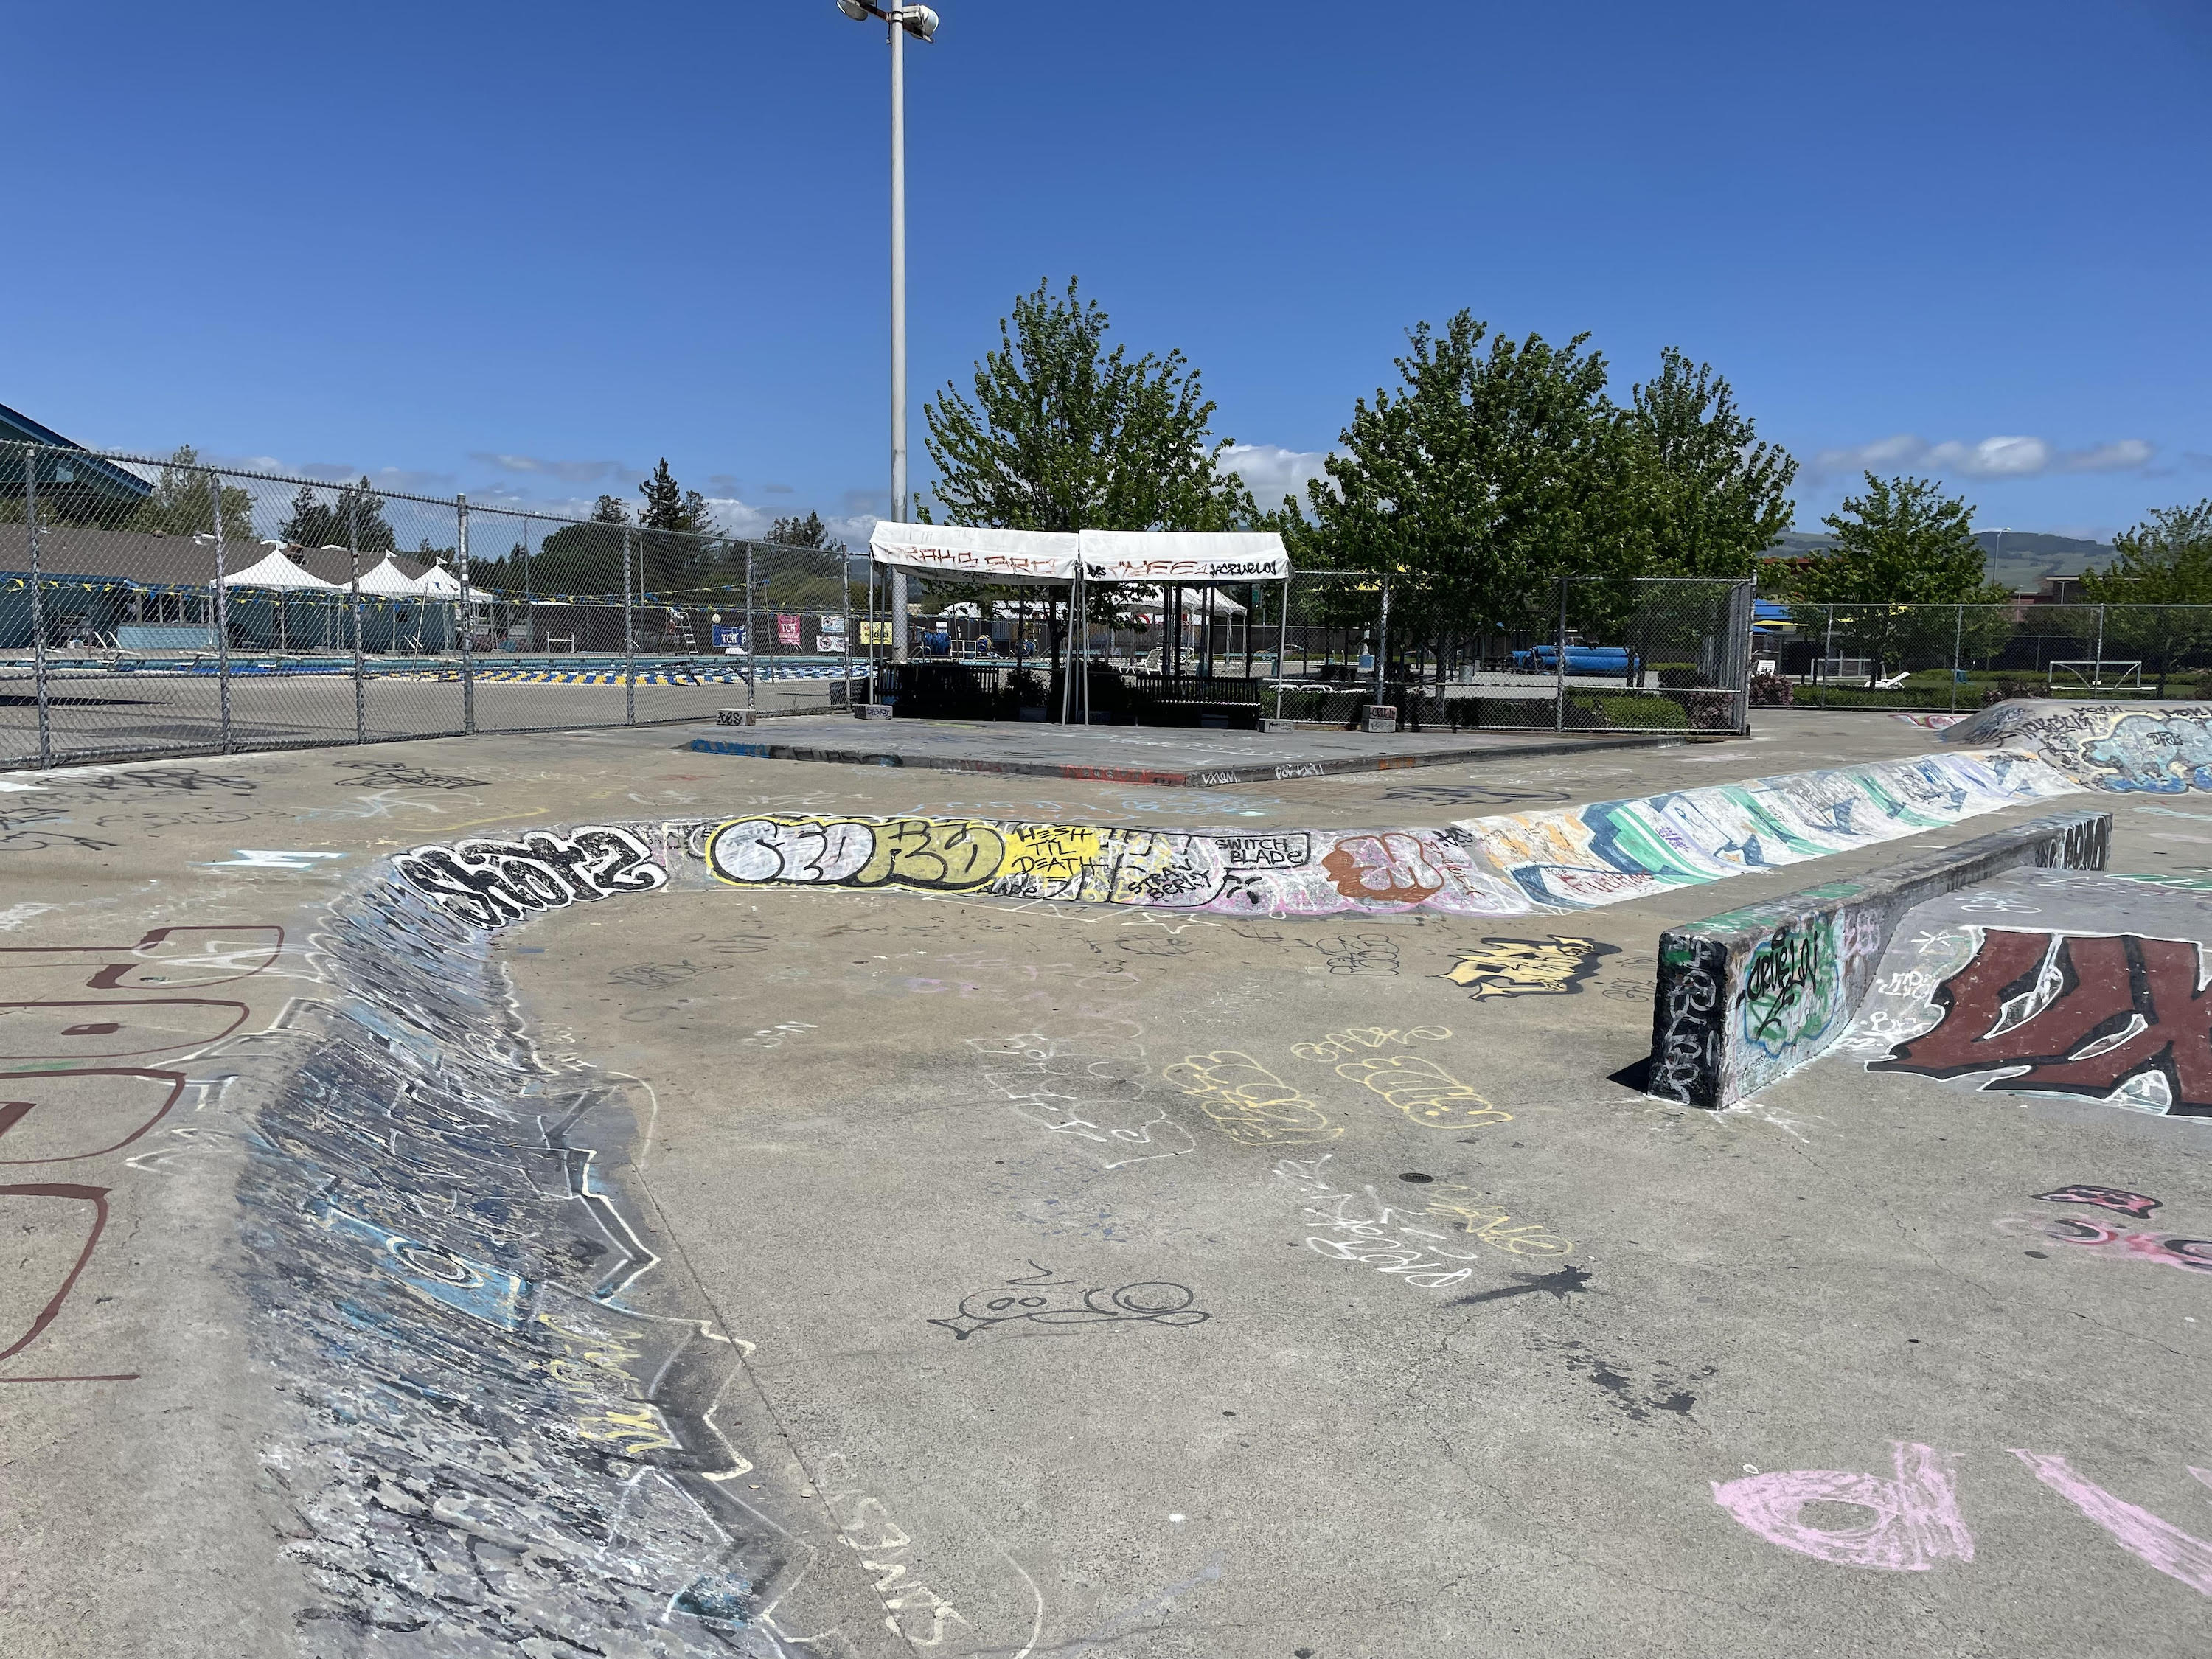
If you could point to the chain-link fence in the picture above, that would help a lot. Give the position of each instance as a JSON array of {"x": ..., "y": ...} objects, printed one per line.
[
  {"x": 1324, "y": 646},
  {"x": 151, "y": 607},
  {"x": 1964, "y": 656}
]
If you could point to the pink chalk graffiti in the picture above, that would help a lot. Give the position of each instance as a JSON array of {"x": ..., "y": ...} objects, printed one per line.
[
  {"x": 1915, "y": 1516},
  {"x": 2137, "y": 1531}
]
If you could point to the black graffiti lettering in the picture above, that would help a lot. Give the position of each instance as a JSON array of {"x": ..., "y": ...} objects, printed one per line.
[{"x": 488, "y": 882}]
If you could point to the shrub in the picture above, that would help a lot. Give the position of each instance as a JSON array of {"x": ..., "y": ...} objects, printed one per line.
[{"x": 1770, "y": 692}]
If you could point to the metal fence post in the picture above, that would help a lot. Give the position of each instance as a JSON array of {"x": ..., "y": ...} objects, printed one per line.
[
  {"x": 222, "y": 612},
  {"x": 468, "y": 658},
  {"x": 1382, "y": 642},
  {"x": 37, "y": 606},
  {"x": 1958, "y": 654},
  {"x": 629, "y": 636},
  {"x": 1560, "y": 666},
  {"x": 1283, "y": 646},
  {"x": 353, "y": 548},
  {"x": 752, "y": 641}
]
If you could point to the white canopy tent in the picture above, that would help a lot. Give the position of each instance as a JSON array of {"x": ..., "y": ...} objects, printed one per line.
[
  {"x": 1157, "y": 562},
  {"x": 1046, "y": 558},
  {"x": 276, "y": 569},
  {"x": 438, "y": 583},
  {"x": 389, "y": 582}
]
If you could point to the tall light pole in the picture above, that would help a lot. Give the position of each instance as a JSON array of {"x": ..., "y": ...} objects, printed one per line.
[{"x": 921, "y": 22}]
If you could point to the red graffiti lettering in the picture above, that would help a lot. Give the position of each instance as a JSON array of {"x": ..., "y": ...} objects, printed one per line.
[{"x": 2081, "y": 1013}]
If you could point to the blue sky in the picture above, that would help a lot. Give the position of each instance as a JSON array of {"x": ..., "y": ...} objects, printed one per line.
[{"x": 525, "y": 251}]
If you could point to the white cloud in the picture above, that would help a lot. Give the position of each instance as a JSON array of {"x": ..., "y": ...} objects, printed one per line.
[
  {"x": 1271, "y": 472},
  {"x": 1991, "y": 458},
  {"x": 567, "y": 472}
]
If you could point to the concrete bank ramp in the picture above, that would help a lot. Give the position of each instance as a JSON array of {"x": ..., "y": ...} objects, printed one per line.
[
  {"x": 2123, "y": 748},
  {"x": 1560, "y": 859}
]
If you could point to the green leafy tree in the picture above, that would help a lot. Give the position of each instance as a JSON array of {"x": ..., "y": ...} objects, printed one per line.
[
  {"x": 1488, "y": 472},
  {"x": 585, "y": 558},
  {"x": 680, "y": 545},
  {"x": 1903, "y": 544},
  {"x": 179, "y": 505},
  {"x": 1717, "y": 496},
  {"x": 321, "y": 520},
  {"x": 804, "y": 567},
  {"x": 2159, "y": 565},
  {"x": 1065, "y": 433}
]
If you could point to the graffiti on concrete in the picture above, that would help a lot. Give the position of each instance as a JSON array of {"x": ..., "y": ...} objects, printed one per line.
[
  {"x": 1528, "y": 967},
  {"x": 2157, "y": 1543},
  {"x": 2081, "y": 1014},
  {"x": 1064, "y": 1304},
  {"x": 461, "y": 1310},
  {"x": 1685, "y": 1058},
  {"x": 488, "y": 881},
  {"x": 1294, "y": 873},
  {"x": 1793, "y": 988},
  {"x": 1365, "y": 1039},
  {"x": 1912, "y": 1521},
  {"x": 2123, "y": 748},
  {"x": 2079, "y": 1232},
  {"x": 1426, "y": 1093},
  {"x": 1612, "y": 851},
  {"x": 1247, "y": 1103},
  {"x": 2107, "y": 1198}
]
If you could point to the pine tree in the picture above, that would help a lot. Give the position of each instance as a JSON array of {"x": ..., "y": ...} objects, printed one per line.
[{"x": 321, "y": 520}]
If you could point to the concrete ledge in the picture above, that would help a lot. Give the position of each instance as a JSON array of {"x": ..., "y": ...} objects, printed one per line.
[
  {"x": 1748, "y": 995},
  {"x": 737, "y": 717},
  {"x": 1379, "y": 717},
  {"x": 872, "y": 711},
  {"x": 1195, "y": 778}
]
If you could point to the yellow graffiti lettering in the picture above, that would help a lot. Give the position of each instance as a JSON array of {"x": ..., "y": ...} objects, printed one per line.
[
  {"x": 642, "y": 1426},
  {"x": 1247, "y": 1101},
  {"x": 1487, "y": 1223},
  {"x": 1048, "y": 854},
  {"x": 937, "y": 856},
  {"x": 1423, "y": 1091},
  {"x": 1526, "y": 967},
  {"x": 1343, "y": 1045}
]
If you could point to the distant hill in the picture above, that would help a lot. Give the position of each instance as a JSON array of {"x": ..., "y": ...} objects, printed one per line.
[{"x": 2026, "y": 558}]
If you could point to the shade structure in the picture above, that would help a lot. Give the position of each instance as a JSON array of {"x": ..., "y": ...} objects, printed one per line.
[
  {"x": 1183, "y": 555},
  {"x": 274, "y": 569},
  {"x": 389, "y": 581},
  {"x": 1023, "y": 557},
  {"x": 1043, "y": 556},
  {"x": 436, "y": 583}
]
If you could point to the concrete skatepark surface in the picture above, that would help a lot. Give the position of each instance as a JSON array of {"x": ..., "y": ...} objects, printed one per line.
[
  {"x": 1149, "y": 755},
  {"x": 768, "y": 1269}
]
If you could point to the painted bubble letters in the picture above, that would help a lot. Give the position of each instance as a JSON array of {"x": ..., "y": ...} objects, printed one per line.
[{"x": 2074, "y": 1014}]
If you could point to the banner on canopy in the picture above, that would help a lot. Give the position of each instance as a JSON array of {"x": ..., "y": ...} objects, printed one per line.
[
  {"x": 994, "y": 555},
  {"x": 1149, "y": 557},
  {"x": 1183, "y": 556}
]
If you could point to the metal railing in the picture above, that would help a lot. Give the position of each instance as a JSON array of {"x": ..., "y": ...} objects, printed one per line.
[{"x": 151, "y": 607}]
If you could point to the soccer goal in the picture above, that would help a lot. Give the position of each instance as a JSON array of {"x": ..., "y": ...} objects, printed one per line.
[{"x": 2096, "y": 675}]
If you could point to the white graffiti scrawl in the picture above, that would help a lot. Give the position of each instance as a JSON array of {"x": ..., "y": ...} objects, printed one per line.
[{"x": 488, "y": 880}]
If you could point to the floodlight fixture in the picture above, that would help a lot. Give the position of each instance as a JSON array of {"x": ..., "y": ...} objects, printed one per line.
[{"x": 920, "y": 21}]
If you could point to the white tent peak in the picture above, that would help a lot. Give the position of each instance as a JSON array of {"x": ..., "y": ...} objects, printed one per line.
[{"x": 274, "y": 569}]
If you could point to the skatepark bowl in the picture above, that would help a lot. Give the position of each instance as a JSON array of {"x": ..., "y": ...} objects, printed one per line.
[{"x": 585, "y": 1192}]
